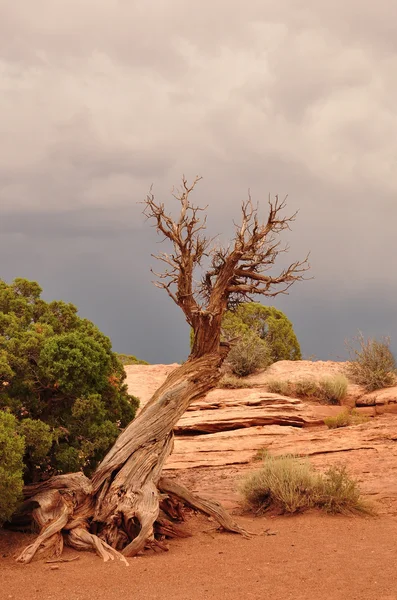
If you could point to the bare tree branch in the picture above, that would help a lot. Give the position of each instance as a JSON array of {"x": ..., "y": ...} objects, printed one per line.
[
  {"x": 189, "y": 246},
  {"x": 236, "y": 273},
  {"x": 125, "y": 499}
]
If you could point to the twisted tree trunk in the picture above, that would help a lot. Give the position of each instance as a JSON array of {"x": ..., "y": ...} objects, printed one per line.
[{"x": 127, "y": 506}]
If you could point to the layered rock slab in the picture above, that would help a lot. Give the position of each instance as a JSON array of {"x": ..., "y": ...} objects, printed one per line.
[{"x": 238, "y": 423}]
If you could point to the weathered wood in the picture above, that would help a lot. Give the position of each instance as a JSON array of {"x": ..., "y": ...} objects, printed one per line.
[
  {"x": 122, "y": 502},
  {"x": 126, "y": 481},
  {"x": 209, "y": 507},
  {"x": 52, "y": 515},
  {"x": 122, "y": 499}
]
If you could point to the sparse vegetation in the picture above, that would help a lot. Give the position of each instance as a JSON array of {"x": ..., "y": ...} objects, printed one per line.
[
  {"x": 289, "y": 484},
  {"x": 372, "y": 363},
  {"x": 307, "y": 388},
  {"x": 337, "y": 492},
  {"x": 330, "y": 390},
  {"x": 130, "y": 359},
  {"x": 248, "y": 355},
  {"x": 344, "y": 419},
  {"x": 233, "y": 382},
  {"x": 278, "y": 386},
  {"x": 333, "y": 389}
]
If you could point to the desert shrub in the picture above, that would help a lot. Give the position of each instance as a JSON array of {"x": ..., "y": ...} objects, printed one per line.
[
  {"x": 307, "y": 388},
  {"x": 281, "y": 483},
  {"x": 261, "y": 454},
  {"x": 12, "y": 448},
  {"x": 333, "y": 389},
  {"x": 289, "y": 484},
  {"x": 372, "y": 363},
  {"x": 337, "y": 492},
  {"x": 249, "y": 354},
  {"x": 330, "y": 389},
  {"x": 130, "y": 359},
  {"x": 61, "y": 381},
  {"x": 269, "y": 323},
  {"x": 344, "y": 419},
  {"x": 233, "y": 382},
  {"x": 278, "y": 386}
]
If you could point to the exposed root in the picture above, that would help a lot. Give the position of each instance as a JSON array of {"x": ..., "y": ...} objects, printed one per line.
[
  {"x": 127, "y": 507},
  {"x": 146, "y": 510},
  {"x": 157, "y": 545},
  {"x": 52, "y": 515},
  {"x": 163, "y": 527},
  {"x": 80, "y": 539},
  {"x": 63, "y": 560},
  {"x": 73, "y": 482},
  {"x": 208, "y": 507},
  {"x": 64, "y": 516},
  {"x": 127, "y": 513},
  {"x": 172, "y": 507}
]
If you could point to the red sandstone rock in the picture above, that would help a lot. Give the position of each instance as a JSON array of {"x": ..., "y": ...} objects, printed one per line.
[{"x": 238, "y": 423}]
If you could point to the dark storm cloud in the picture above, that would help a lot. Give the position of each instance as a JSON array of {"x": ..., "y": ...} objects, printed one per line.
[
  {"x": 100, "y": 99},
  {"x": 105, "y": 224}
]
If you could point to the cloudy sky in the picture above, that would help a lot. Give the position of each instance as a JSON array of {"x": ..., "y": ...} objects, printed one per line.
[{"x": 99, "y": 99}]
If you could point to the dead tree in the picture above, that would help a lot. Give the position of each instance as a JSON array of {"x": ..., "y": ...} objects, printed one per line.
[{"x": 128, "y": 505}]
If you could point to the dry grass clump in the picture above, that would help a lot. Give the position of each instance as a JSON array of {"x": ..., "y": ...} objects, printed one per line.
[
  {"x": 330, "y": 390},
  {"x": 233, "y": 382},
  {"x": 278, "y": 386},
  {"x": 344, "y": 419},
  {"x": 333, "y": 389},
  {"x": 372, "y": 364},
  {"x": 307, "y": 388},
  {"x": 289, "y": 484}
]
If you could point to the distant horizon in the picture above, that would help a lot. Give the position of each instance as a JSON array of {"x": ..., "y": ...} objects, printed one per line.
[{"x": 156, "y": 353}]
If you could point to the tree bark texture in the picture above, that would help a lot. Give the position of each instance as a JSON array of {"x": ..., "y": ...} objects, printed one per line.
[
  {"x": 127, "y": 503},
  {"x": 127, "y": 506}
]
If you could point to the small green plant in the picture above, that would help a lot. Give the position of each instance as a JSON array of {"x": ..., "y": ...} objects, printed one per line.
[
  {"x": 130, "y": 359},
  {"x": 232, "y": 382},
  {"x": 289, "y": 484},
  {"x": 277, "y": 386},
  {"x": 344, "y": 419},
  {"x": 333, "y": 389},
  {"x": 336, "y": 492},
  {"x": 248, "y": 355},
  {"x": 372, "y": 363}
]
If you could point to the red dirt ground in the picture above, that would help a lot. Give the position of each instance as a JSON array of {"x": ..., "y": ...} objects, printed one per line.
[{"x": 310, "y": 557}]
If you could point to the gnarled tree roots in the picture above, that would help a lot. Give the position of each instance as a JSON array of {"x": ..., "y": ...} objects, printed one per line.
[
  {"x": 64, "y": 510},
  {"x": 127, "y": 506}
]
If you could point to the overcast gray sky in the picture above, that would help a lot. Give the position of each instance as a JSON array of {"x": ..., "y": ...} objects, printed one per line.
[{"x": 99, "y": 99}]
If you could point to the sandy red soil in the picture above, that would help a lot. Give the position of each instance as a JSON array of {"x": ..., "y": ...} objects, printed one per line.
[{"x": 311, "y": 557}]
